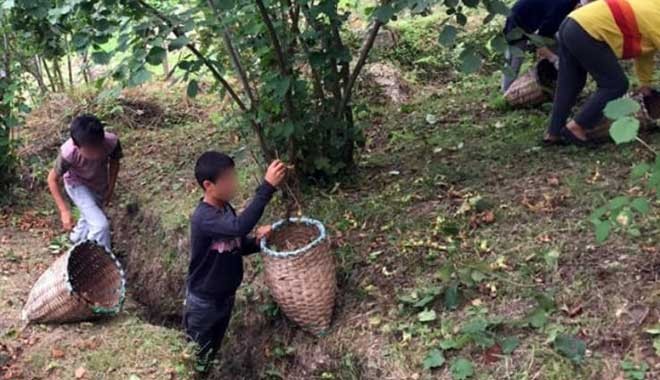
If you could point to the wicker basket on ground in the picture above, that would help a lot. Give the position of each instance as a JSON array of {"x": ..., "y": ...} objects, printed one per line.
[
  {"x": 535, "y": 87},
  {"x": 648, "y": 116},
  {"x": 301, "y": 280},
  {"x": 85, "y": 283}
]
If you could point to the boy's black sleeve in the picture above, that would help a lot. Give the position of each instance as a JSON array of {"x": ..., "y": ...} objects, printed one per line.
[
  {"x": 228, "y": 225},
  {"x": 249, "y": 245}
]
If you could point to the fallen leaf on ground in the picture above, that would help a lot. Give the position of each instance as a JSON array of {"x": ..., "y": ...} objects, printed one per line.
[
  {"x": 80, "y": 373},
  {"x": 57, "y": 353}
]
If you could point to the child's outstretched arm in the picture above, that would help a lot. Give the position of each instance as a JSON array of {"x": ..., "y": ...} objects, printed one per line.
[
  {"x": 230, "y": 225},
  {"x": 65, "y": 212}
]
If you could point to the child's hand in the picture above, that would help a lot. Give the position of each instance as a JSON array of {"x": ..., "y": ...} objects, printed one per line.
[
  {"x": 263, "y": 232},
  {"x": 276, "y": 173},
  {"x": 67, "y": 220}
]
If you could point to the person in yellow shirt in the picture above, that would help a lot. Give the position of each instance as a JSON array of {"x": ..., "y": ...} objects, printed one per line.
[{"x": 592, "y": 40}]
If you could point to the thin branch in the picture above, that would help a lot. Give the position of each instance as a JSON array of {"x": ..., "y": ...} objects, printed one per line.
[
  {"x": 646, "y": 145},
  {"x": 256, "y": 126},
  {"x": 235, "y": 59},
  {"x": 284, "y": 67},
  {"x": 364, "y": 53}
]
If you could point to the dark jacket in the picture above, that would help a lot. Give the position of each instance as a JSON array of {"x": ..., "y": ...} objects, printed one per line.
[
  {"x": 542, "y": 17},
  {"x": 219, "y": 240}
]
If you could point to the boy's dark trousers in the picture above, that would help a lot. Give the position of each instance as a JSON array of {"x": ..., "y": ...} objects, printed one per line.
[{"x": 205, "y": 322}]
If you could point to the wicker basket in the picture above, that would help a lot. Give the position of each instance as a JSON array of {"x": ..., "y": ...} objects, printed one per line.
[
  {"x": 535, "y": 87},
  {"x": 303, "y": 281},
  {"x": 648, "y": 116},
  {"x": 85, "y": 283}
]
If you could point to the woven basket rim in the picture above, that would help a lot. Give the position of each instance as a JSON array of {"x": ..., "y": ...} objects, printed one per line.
[
  {"x": 122, "y": 284},
  {"x": 303, "y": 220}
]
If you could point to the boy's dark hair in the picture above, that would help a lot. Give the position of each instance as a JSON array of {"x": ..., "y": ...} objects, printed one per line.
[
  {"x": 212, "y": 165},
  {"x": 87, "y": 130}
]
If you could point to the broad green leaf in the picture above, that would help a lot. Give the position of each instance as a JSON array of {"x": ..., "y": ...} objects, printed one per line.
[
  {"x": 427, "y": 316},
  {"x": 571, "y": 347},
  {"x": 470, "y": 61},
  {"x": 384, "y": 13},
  {"x": 624, "y": 130},
  {"x": 603, "y": 231},
  {"x": 451, "y": 299},
  {"x": 471, "y": 3},
  {"x": 156, "y": 55},
  {"x": 101, "y": 57},
  {"x": 424, "y": 301},
  {"x": 139, "y": 77},
  {"x": 509, "y": 344},
  {"x": 653, "y": 330},
  {"x": 642, "y": 205},
  {"x": 448, "y": 344},
  {"x": 499, "y": 44},
  {"x": 178, "y": 43},
  {"x": 656, "y": 345},
  {"x": 618, "y": 202},
  {"x": 462, "y": 369},
  {"x": 448, "y": 35},
  {"x": 640, "y": 170},
  {"x": 475, "y": 325},
  {"x": 193, "y": 88},
  {"x": 538, "y": 319},
  {"x": 616, "y": 109},
  {"x": 434, "y": 359}
]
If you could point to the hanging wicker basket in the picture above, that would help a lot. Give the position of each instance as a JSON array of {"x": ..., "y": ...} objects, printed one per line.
[
  {"x": 302, "y": 281},
  {"x": 85, "y": 283},
  {"x": 535, "y": 87},
  {"x": 648, "y": 116}
]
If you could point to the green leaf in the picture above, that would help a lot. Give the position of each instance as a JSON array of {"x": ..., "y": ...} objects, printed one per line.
[
  {"x": 427, "y": 316},
  {"x": 642, "y": 205},
  {"x": 434, "y": 359},
  {"x": 448, "y": 35},
  {"x": 156, "y": 55},
  {"x": 139, "y": 77},
  {"x": 571, "y": 347},
  {"x": 618, "y": 202},
  {"x": 470, "y": 61},
  {"x": 462, "y": 369},
  {"x": 384, "y": 13},
  {"x": 603, "y": 231},
  {"x": 619, "y": 108},
  {"x": 449, "y": 344},
  {"x": 178, "y": 43},
  {"x": 653, "y": 330},
  {"x": 640, "y": 170},
  {"x": 509, "y": 344},
  {"x": 101, "y": 57},
  {"x": 451, "y": 299},
  {"x": 193, "y": 88},
  {"x": 424, "y": 301},
  {"x": 538, "y": 319},
  {"x": 624, "y": 130},
  {"x": 499, "y": 44}
]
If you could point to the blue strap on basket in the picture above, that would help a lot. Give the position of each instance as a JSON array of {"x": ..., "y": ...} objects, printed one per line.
[{"x": 303, "y": 220}]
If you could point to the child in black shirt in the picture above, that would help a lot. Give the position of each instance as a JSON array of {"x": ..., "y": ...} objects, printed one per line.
[{"x": 219, "y": 240}]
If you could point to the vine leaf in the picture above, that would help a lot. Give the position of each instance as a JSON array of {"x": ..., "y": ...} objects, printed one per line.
[
  {"x": 616, "y": 109},
  {"x": 624, "y": 130}
]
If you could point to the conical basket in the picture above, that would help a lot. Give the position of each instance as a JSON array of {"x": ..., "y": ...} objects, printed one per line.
[
  {"x": 533, "y": 88},
  {"x": 648, "y": 116},
  {"x": 303, "y": 282},
  {"x": 85, "y": 283}
]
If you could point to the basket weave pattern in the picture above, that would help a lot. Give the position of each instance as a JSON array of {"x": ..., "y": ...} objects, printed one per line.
[
  {"x": 534, "y": 87},
  {"x": 85, "y": 283},
  {"x": 303, "y": 283}
]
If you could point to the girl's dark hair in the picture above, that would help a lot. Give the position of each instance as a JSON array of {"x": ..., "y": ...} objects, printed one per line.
[
  {"x": 87, "y": 130},
  {"x": 212, "y": 165}
]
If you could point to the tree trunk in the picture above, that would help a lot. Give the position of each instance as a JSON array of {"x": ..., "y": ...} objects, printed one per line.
[
  {"x": 83, "y": 68},
  {"x": 53, "y": 86},
  {"x": 58, "y": 71},
  {"x": 68, "y": 61}
]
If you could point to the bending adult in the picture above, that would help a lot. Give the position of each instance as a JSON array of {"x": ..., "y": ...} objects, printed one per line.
[
  {"x": 592, "y": 40},
  {"x": 540, "y": 17}
]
